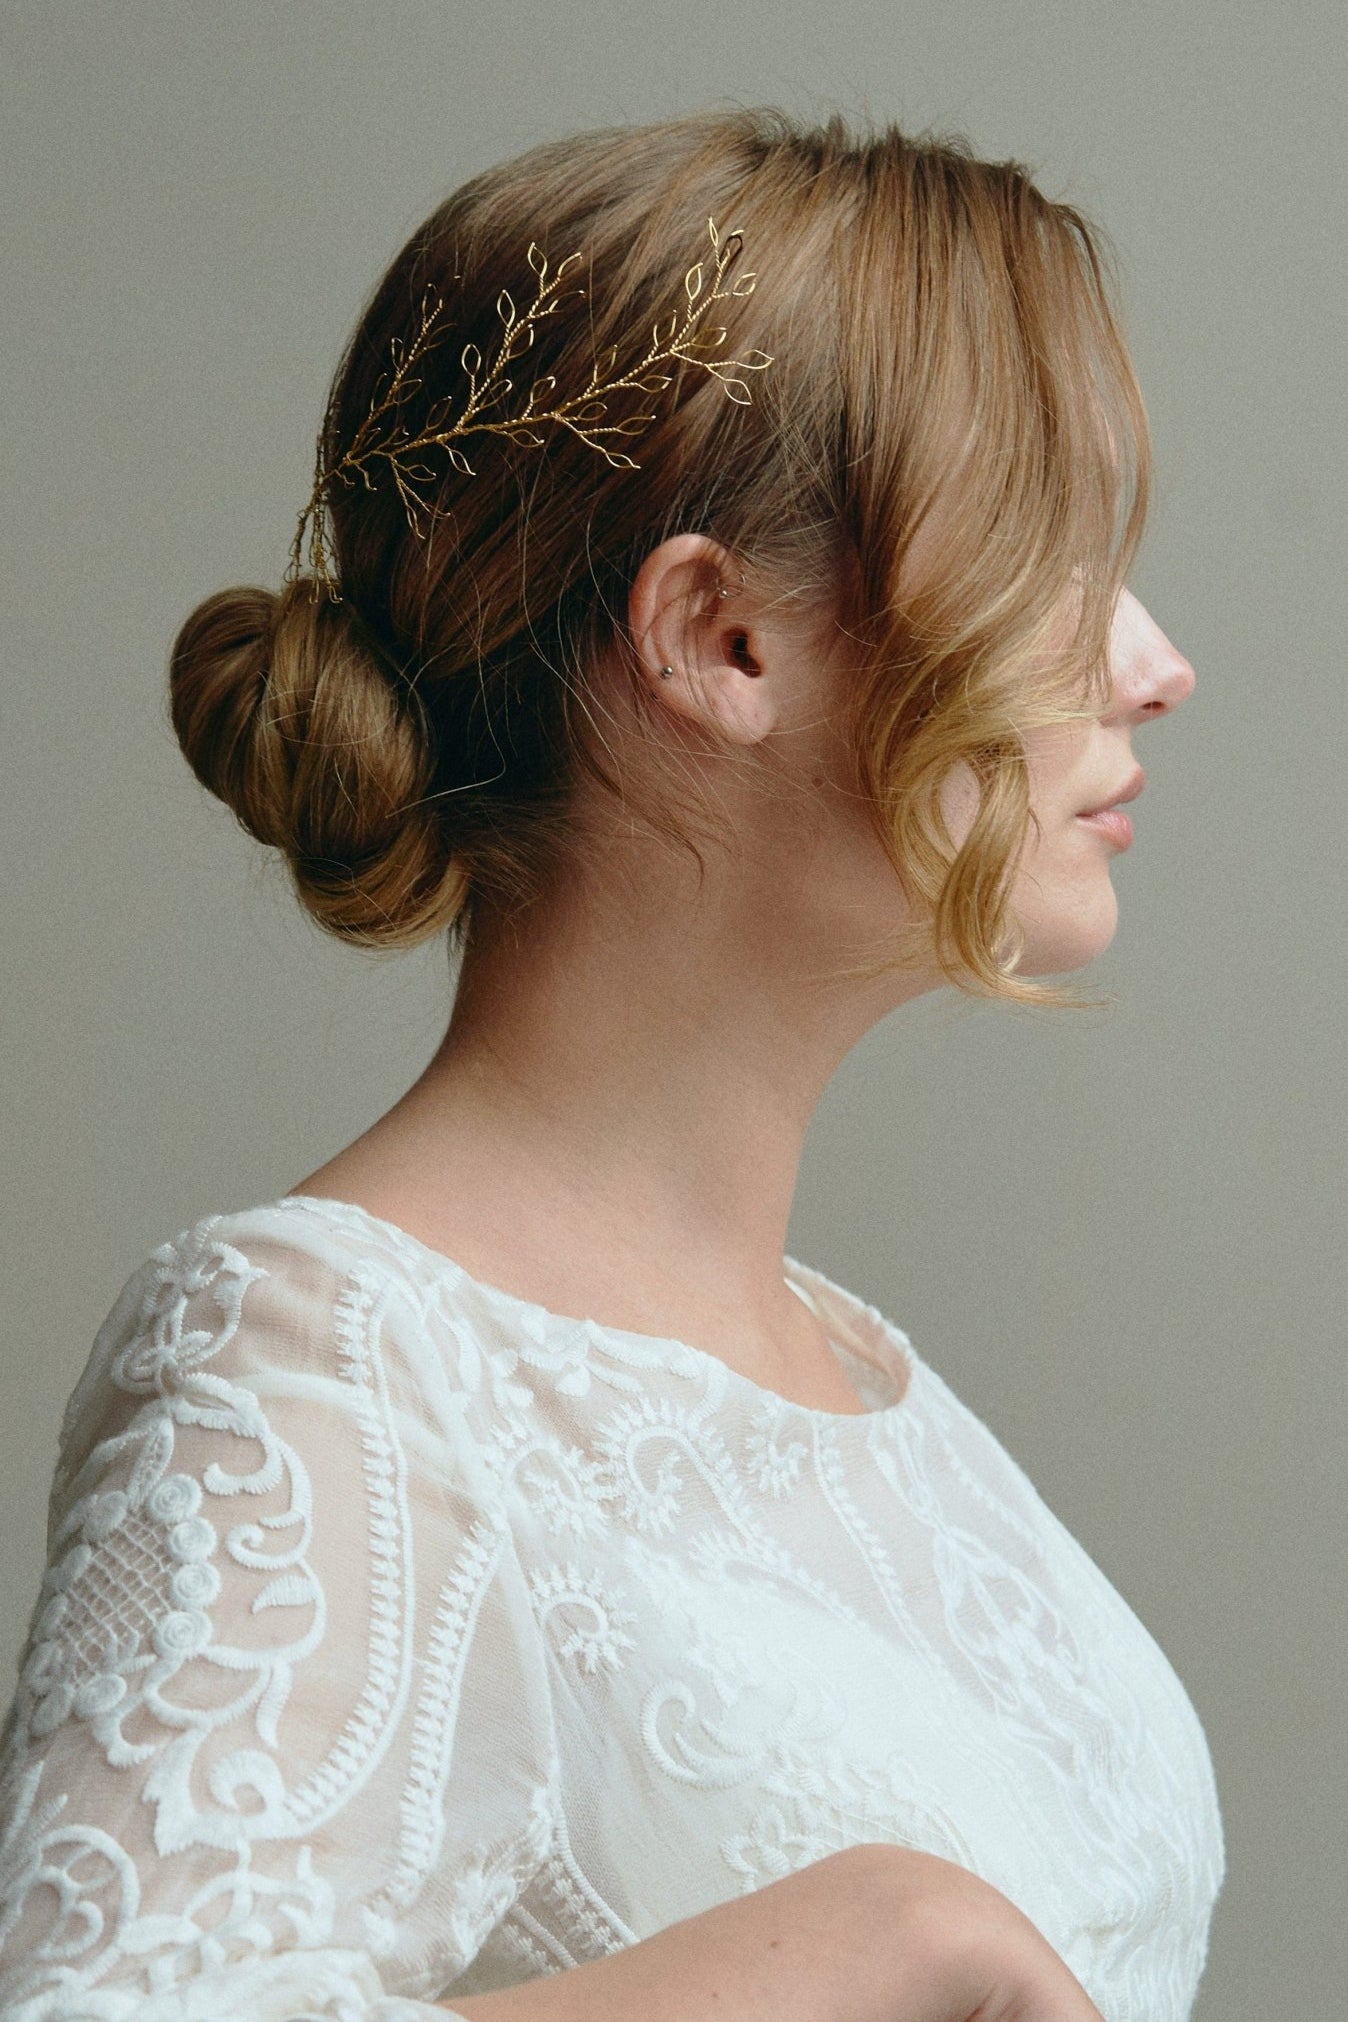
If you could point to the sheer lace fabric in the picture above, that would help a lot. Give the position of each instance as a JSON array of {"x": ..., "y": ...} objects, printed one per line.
[{"x": 403, "y": 1640}]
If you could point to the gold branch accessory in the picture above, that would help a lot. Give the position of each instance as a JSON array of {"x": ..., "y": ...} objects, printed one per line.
[{"x": 384, "y": 438}]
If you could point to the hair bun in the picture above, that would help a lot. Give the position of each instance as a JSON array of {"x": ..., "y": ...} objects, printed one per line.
[{"x": 286, "y": 714}]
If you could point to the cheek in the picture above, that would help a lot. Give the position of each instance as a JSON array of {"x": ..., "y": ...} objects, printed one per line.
[
  {"x": 1057, "y": 756},
  {"x": 958, "y": 800},
  {"x": 1062, "y": 895}
]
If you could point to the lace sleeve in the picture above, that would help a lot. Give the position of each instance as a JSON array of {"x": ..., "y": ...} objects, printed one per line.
[{"x": 281, "y": 1744}]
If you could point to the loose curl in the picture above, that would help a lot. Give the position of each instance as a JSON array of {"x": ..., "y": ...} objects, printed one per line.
[{"x": 944, "y": 344}]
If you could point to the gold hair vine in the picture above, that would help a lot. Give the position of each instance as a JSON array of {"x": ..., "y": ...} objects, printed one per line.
[{"x": 383, "y": 437}]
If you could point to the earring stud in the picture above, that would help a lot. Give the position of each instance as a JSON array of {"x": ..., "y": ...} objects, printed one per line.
[{"x": 665, "y": 673}]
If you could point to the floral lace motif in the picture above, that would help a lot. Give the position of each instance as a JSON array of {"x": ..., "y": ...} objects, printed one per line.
[{"x": 375, "y": 1595}]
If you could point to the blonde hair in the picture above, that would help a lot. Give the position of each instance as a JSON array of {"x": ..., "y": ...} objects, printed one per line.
[{"x": 942, "y": 336}]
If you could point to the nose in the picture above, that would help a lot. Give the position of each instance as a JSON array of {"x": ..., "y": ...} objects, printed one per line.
[{"x": 1150, "y": 674}]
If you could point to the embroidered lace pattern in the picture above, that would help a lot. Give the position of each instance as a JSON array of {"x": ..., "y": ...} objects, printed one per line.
[{"x": 402, "y": 1640}]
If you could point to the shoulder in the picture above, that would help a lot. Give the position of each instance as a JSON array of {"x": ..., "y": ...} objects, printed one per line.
[
  {"x": 267, "y": 1279},
  {"x": 267, "y": 1301}
]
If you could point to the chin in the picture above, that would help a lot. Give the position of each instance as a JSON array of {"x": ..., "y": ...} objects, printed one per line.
[{"x": 1057, "y": 942}]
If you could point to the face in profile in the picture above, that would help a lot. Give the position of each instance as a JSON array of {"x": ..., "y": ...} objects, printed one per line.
[{"x": 1063, "y": 895}]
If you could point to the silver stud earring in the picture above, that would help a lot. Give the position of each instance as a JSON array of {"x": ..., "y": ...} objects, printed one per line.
[{"x": 665, "y": 673}]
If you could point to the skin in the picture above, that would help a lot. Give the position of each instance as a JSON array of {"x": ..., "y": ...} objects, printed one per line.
[
  {"x": 875, "y": 1933},
  {"x": 613, "y": 1124}
]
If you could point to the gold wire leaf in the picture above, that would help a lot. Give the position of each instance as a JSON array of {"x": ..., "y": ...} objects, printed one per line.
[
  {"x": 704, "y": 340},
  {"x": 385, "y": 439},
  {"x": 540, "y": 390},
  {"x": 493, "y": 397}
]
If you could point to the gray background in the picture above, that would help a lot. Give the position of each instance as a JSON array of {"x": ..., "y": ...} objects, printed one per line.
[{"x": 1119, "y": 1235}]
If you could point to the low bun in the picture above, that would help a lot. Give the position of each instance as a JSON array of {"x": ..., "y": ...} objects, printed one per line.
[{"x": 285, "y": 711}]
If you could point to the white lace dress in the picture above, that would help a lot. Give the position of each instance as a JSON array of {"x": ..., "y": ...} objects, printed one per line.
[{"x": 402, "y": 1640}]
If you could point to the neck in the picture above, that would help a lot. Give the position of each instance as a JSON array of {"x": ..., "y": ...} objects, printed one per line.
[{"x": 614, "y": 1122}]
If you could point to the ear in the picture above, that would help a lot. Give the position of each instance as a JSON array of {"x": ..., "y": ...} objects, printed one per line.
[{"x": 690, "y": 613}]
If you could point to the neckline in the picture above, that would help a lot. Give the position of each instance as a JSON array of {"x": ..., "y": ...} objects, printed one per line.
[{"x": 884, "y": 1357}]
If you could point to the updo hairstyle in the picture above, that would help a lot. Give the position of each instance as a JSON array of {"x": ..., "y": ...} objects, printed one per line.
[{"x": 940, "y": 332}]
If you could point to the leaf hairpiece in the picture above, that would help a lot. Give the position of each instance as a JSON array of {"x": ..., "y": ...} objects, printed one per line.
[{"x": 484, "y": 408}]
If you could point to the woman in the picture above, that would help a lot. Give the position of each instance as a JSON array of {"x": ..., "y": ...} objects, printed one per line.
[{"x": 493, "y": 1574}]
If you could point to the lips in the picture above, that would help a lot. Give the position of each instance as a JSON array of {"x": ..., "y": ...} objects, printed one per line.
[{"x": 1130, "y": 791}]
